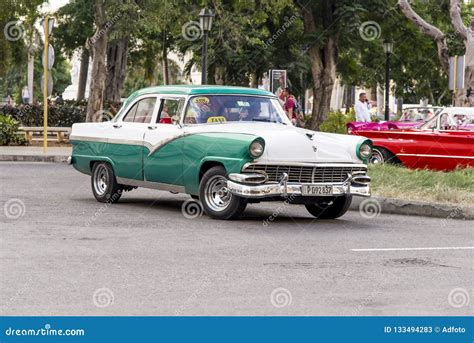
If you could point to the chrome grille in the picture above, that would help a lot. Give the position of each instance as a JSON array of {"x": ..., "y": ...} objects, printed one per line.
[{"x": 305, "y": 174}]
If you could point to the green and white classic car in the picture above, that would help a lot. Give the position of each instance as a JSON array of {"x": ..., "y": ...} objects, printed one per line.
[{"x": 226, "y": 146}]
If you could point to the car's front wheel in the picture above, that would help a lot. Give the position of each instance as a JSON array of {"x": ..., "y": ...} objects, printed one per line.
[
  {"x": 381, "y": 155},
  {"x": 330, "y": 209},
  {"x": 104, "y": 184},
  {"x": 218, "y": 202}
]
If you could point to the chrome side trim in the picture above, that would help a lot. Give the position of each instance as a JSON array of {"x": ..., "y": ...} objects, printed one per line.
[
  {"x": 436, "y": 156},
  {"x": 160, "y": 144},
  {"x": 106, "y": 140},
  {"x": 152, "y": 185}
]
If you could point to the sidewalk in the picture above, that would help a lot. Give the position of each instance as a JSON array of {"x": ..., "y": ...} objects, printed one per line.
[{"x": 34, "y": 154}]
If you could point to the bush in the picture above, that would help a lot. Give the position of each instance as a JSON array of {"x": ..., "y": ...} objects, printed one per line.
[
  {"x": 8, "y": 131},
  {"x": 60, "y": 115},
  {"x": 336, "y": 121}
]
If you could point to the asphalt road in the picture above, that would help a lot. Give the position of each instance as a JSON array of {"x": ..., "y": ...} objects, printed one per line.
[{"x": 63, "y": 253}]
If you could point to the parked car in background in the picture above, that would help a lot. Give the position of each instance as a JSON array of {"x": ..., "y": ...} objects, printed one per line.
[
  {"x": 227, "y": 146},
  {"x": 411, "y": 117},
  {"x": 444, "y": 142}
]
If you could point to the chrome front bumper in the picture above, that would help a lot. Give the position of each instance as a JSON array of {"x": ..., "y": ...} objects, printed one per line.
[{"x": 357, "y": 185}]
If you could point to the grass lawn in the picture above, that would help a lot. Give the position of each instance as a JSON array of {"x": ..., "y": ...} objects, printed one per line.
[{"x": 455, "y": 187}]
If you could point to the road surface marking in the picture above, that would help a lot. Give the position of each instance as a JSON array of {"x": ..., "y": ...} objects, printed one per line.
[{"x": 408, "y": 249}]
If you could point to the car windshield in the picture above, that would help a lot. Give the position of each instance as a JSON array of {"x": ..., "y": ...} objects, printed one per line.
[
  {"x": 418, "y": 114},
  {"x": 451, "y": 121},
  {"x": 205, "y": 109}
]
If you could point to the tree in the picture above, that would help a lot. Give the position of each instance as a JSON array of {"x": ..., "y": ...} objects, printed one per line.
[
  {"x": 75, "y": 26},
  {"x": 327, "y": 24},
  {"x": 466, "y": 97},
  {"x": 98, "y": 45},
  {"x": 120, "y": 34}
]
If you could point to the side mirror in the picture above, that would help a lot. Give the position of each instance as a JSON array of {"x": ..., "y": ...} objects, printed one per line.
[{"x": 175, "y": 121}]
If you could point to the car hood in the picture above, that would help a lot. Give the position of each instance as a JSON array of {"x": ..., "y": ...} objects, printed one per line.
[{"x": 285, "y": 143}]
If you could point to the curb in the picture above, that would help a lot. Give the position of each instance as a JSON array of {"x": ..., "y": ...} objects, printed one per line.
[
  {"x": 34, "y": 158},
  {"x": 411, "y": 207}
]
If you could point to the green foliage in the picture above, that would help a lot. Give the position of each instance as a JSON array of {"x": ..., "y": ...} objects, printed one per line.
[
  {"x": 59, "y": 115},
  {"x": 74, "y": 25},
  {"x": 8, "y": 131},
  {"x": 336, "y": 121}
]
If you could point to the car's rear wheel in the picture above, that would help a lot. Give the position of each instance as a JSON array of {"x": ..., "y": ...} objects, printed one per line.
[
  {"x": 104, "y": 184},
  {"x": 331, "y": 208},
  {"x": 218, "y": 202}
]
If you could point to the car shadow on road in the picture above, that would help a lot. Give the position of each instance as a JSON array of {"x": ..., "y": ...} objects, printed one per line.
[{"x": 254, "y": 214}]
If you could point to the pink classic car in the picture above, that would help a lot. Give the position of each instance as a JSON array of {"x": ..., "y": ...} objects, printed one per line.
[{"x": 412, "y": 117}]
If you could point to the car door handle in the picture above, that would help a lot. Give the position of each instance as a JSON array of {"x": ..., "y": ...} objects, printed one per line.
[
  {"x": 152, "y": 127},
  {"x": 117, "y": 126}
]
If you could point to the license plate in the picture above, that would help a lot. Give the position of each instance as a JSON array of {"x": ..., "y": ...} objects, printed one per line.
[{"x": 310, "y": 190}]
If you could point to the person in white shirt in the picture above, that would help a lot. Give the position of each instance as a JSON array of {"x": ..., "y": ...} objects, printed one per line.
[{"x": 362, "y": 108}]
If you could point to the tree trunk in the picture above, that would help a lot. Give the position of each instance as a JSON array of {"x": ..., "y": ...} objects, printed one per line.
[
  {"x": 323, "y": 71},
  {"x": 164, "y": 61},
  {"x": 464, "y": 97},
  {"x": 117, "y": 52},
  {"x": 323, "y": 65},
  {"x": 436, "y": 34},
  {"x": 81, "y": 89},
  {"x": 219, "y": 75},
  {"x": 98, "y": 44}
]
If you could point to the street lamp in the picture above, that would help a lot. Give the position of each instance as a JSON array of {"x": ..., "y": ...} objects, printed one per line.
[
  {"x": 205, "y": 19},
  {"x": 387, "y": 48}
]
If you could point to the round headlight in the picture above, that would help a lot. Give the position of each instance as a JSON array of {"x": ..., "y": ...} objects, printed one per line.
[
  {"x": 256, "y": 149},
  {"x": 365, "y": 150}
]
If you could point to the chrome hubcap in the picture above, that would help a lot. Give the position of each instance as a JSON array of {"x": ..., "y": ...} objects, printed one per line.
[
  {"x": 216, "y": 193},
  {"x": 101, "y": 179},
  {"x": 376, "y": 157}
]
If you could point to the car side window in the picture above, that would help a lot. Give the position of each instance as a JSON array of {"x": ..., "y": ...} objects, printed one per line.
[
  {"x": 141, "y": 111},
  {"x": 444, "y": 122},
  {"x": 145, "y": 110},
  {"x": 168, "y": 109},
  {"x": 131, "y": 114}
]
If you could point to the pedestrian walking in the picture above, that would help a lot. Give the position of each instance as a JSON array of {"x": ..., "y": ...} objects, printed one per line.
[
  {"x": 362, "y": 108},
  {"x": 290, "y": 105},
  {"x": 25, "y": 95}
]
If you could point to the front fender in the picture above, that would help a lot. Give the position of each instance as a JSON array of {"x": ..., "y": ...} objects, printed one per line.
[{"x": 229, "y": 149}]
